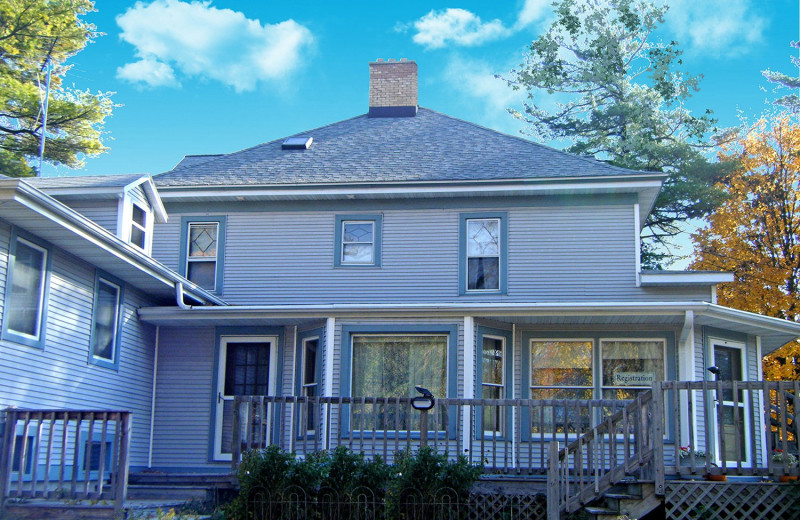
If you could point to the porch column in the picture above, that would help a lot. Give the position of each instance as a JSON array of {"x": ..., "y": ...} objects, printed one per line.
[
  {"x": 469, "y": 381},
  {"x": 327, "y": 377},
  {"x": 686, "y": 373}
]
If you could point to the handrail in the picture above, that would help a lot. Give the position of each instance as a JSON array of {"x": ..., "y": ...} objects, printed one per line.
[{"x": 590, "y": 465}]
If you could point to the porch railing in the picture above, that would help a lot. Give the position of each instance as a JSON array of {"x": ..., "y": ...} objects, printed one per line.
[
  {"x": 64, "y": 454},
  {"x": 508, "y": 436}
]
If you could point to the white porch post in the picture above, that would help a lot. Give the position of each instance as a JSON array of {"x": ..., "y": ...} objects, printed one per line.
[
  {"x": 469, "y": 381},
  {"x": 760, "y": 412},
  {"x": 327, "y": 377},
  {"x": 686, "y": 373}
]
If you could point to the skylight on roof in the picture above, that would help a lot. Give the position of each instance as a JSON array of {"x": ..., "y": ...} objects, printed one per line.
[{"x": 297, "y": 143}]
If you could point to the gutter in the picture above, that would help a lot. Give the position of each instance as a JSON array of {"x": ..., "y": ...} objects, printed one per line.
[{"x": 35, "y": 200}]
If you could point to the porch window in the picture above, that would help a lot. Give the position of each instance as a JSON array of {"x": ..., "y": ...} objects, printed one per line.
[
  {"x": 493, "y": 382},
  {"x": 25, "y": 293},
  {"x": 310, "y": 387},
  {"x": 562, "y": 369},
  {"x": 105, "y": 322},
  {"x": 630, "y": 366},
  {"x": 391, "y": 366}
]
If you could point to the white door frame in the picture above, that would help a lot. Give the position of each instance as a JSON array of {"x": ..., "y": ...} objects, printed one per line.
[
  {"x": 744, "y": 405},
  {"x": 221, "y": 397}
]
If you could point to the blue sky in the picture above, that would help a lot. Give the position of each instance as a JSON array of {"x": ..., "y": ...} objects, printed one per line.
[{"x": 216, "y": 77}]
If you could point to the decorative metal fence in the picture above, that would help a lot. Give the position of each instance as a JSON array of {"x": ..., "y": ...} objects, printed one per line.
[{"x": 412, "y": 504}]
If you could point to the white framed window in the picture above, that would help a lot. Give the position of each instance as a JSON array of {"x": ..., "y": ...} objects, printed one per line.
[
  {"x": 629, "y": 366},
  {"x": 358, "y": 240},
  {"x": 104, "y": 349},
  {"x": 483, "y": 254},
  {"x": 309, "y": 382},
  {"x": 26, "y": 292},
  {"x": 135, "y": 224},
  {"x": 202, "y": 251},
  {"x": 493, "y": 384}
]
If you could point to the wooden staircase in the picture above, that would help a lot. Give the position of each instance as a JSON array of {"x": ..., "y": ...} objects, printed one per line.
[{"x": 632, "y": 499}]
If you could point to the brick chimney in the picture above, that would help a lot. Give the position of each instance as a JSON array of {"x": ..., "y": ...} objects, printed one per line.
[{"x": 393, "y": 88}]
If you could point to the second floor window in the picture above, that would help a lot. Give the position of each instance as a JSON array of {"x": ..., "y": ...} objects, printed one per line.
[
  {"x": 358, "y": 241},
  {"x": 105, "y": 326},
  {"x": 201, "y": 260},
  {"x": 139, "y": 227}
]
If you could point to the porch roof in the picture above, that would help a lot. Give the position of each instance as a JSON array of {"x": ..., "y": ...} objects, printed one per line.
[{"x": 773, "y": 332}]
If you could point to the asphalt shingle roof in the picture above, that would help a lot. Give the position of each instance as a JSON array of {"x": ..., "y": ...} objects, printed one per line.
[{"x": 428, "y": 147}]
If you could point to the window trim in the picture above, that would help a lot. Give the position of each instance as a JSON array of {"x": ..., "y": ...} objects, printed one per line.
[
  {"x": 463, "y": 274},
  {"x": 184, "y": 250},
  {"x": 125, "y": 223},
  {"x": 670, "y": 366},
  {"x": 444, "y": 329},
  {"x": 508, "y": 377},
  {"x": 102, "y": 277},
  {"x": 44, "y": 295},
  {"x": 302, "y": 338},
  {"x": 377, "y": 239}
]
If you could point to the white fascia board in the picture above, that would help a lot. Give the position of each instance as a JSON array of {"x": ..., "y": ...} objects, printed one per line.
[
  {"x": 684, "y": 278},
  {"x": 352, "y": 190},
  {"x": 35, "y": 200},
  {"x": 149, "y": 187},
  {"x": 750, "y": 318}
]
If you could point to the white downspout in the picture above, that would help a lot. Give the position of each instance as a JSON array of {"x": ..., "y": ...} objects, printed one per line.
[
  {"x": 153, "y": 400},
  {"x": 179, "y": 297}
]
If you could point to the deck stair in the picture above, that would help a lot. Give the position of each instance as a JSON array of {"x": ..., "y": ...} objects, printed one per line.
[{"x": 633, "y": 499}]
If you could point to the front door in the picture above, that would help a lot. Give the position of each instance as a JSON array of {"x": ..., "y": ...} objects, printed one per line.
[
  {"x": 735, "y": 428},
  {"x": 247, "y": 366}
]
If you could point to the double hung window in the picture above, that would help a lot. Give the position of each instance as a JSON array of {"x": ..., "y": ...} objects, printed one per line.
[
  {"x": 139, "y": 231},
  {"x": 358, "y": 241},
  {"x": 202, "y": 251},
  {"x": 104, "y": 348},
  {"x": 25, "y": 292},
  {"x": 201, "y": 261},
  {"x": 482, "y": 248}
]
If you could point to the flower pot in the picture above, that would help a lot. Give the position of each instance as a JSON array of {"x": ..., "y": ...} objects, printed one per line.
[
  {"x": 716, "y": 478},
  {"x": 787, "y": 478}
]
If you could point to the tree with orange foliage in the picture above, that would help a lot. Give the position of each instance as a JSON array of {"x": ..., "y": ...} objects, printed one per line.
[{"x": 756, "y": 233}]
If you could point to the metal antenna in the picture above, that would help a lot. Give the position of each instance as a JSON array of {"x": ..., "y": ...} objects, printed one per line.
[{"x": 48, "y": 64}]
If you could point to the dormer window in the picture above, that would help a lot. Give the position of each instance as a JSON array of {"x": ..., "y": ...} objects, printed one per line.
[
  {"x": 138, "y": 226},
  {"x": 135, "y": 225}
]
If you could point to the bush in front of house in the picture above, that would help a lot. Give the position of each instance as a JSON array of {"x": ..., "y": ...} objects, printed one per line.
[{"x": 274, "y": 483}]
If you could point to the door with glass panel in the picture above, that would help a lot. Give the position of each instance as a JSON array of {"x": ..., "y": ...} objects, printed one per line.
[
  {"x": 735, "y": 425},
  {"x": 247, "y": 366}
]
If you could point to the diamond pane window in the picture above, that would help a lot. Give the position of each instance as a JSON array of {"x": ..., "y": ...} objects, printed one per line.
[
  {"x": 483, "y": 254},
  {"x": 358, "y": 243},
  {"x": 201, "y": 260}
]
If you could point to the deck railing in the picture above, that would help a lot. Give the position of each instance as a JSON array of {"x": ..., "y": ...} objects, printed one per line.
[
  {"x": 64, "y": 454},
  {"x": 504, "y": 435}
]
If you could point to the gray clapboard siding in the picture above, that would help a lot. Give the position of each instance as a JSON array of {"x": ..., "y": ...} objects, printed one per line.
[
  {"x": 555, "y": 253},
  {"x": 138, "y": 196},
  {"x": 183, "y": 422},
  {"x": 103, "y": 212},
  {"x": 60, "y": 376}
]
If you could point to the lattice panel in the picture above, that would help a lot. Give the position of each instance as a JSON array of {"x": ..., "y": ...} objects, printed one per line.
[
  {"x": 501, "y": 507},
  {"x": 730, "y": 501}
]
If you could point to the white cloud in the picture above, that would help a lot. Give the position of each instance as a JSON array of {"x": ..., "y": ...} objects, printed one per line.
[
  {"x": 457, "y": 26},
  {"x": 533, "y": 11},
  {"x": 200, "y": 40},
  {"x": 476, "y": 81},
  {"x": 437, "y": 28},
  {"x": 716, "y": 27},
  {"x": 148, "y": 71}
]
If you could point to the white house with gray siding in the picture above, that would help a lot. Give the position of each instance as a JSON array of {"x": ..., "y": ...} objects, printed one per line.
[{"x": 288, "y": 292}]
